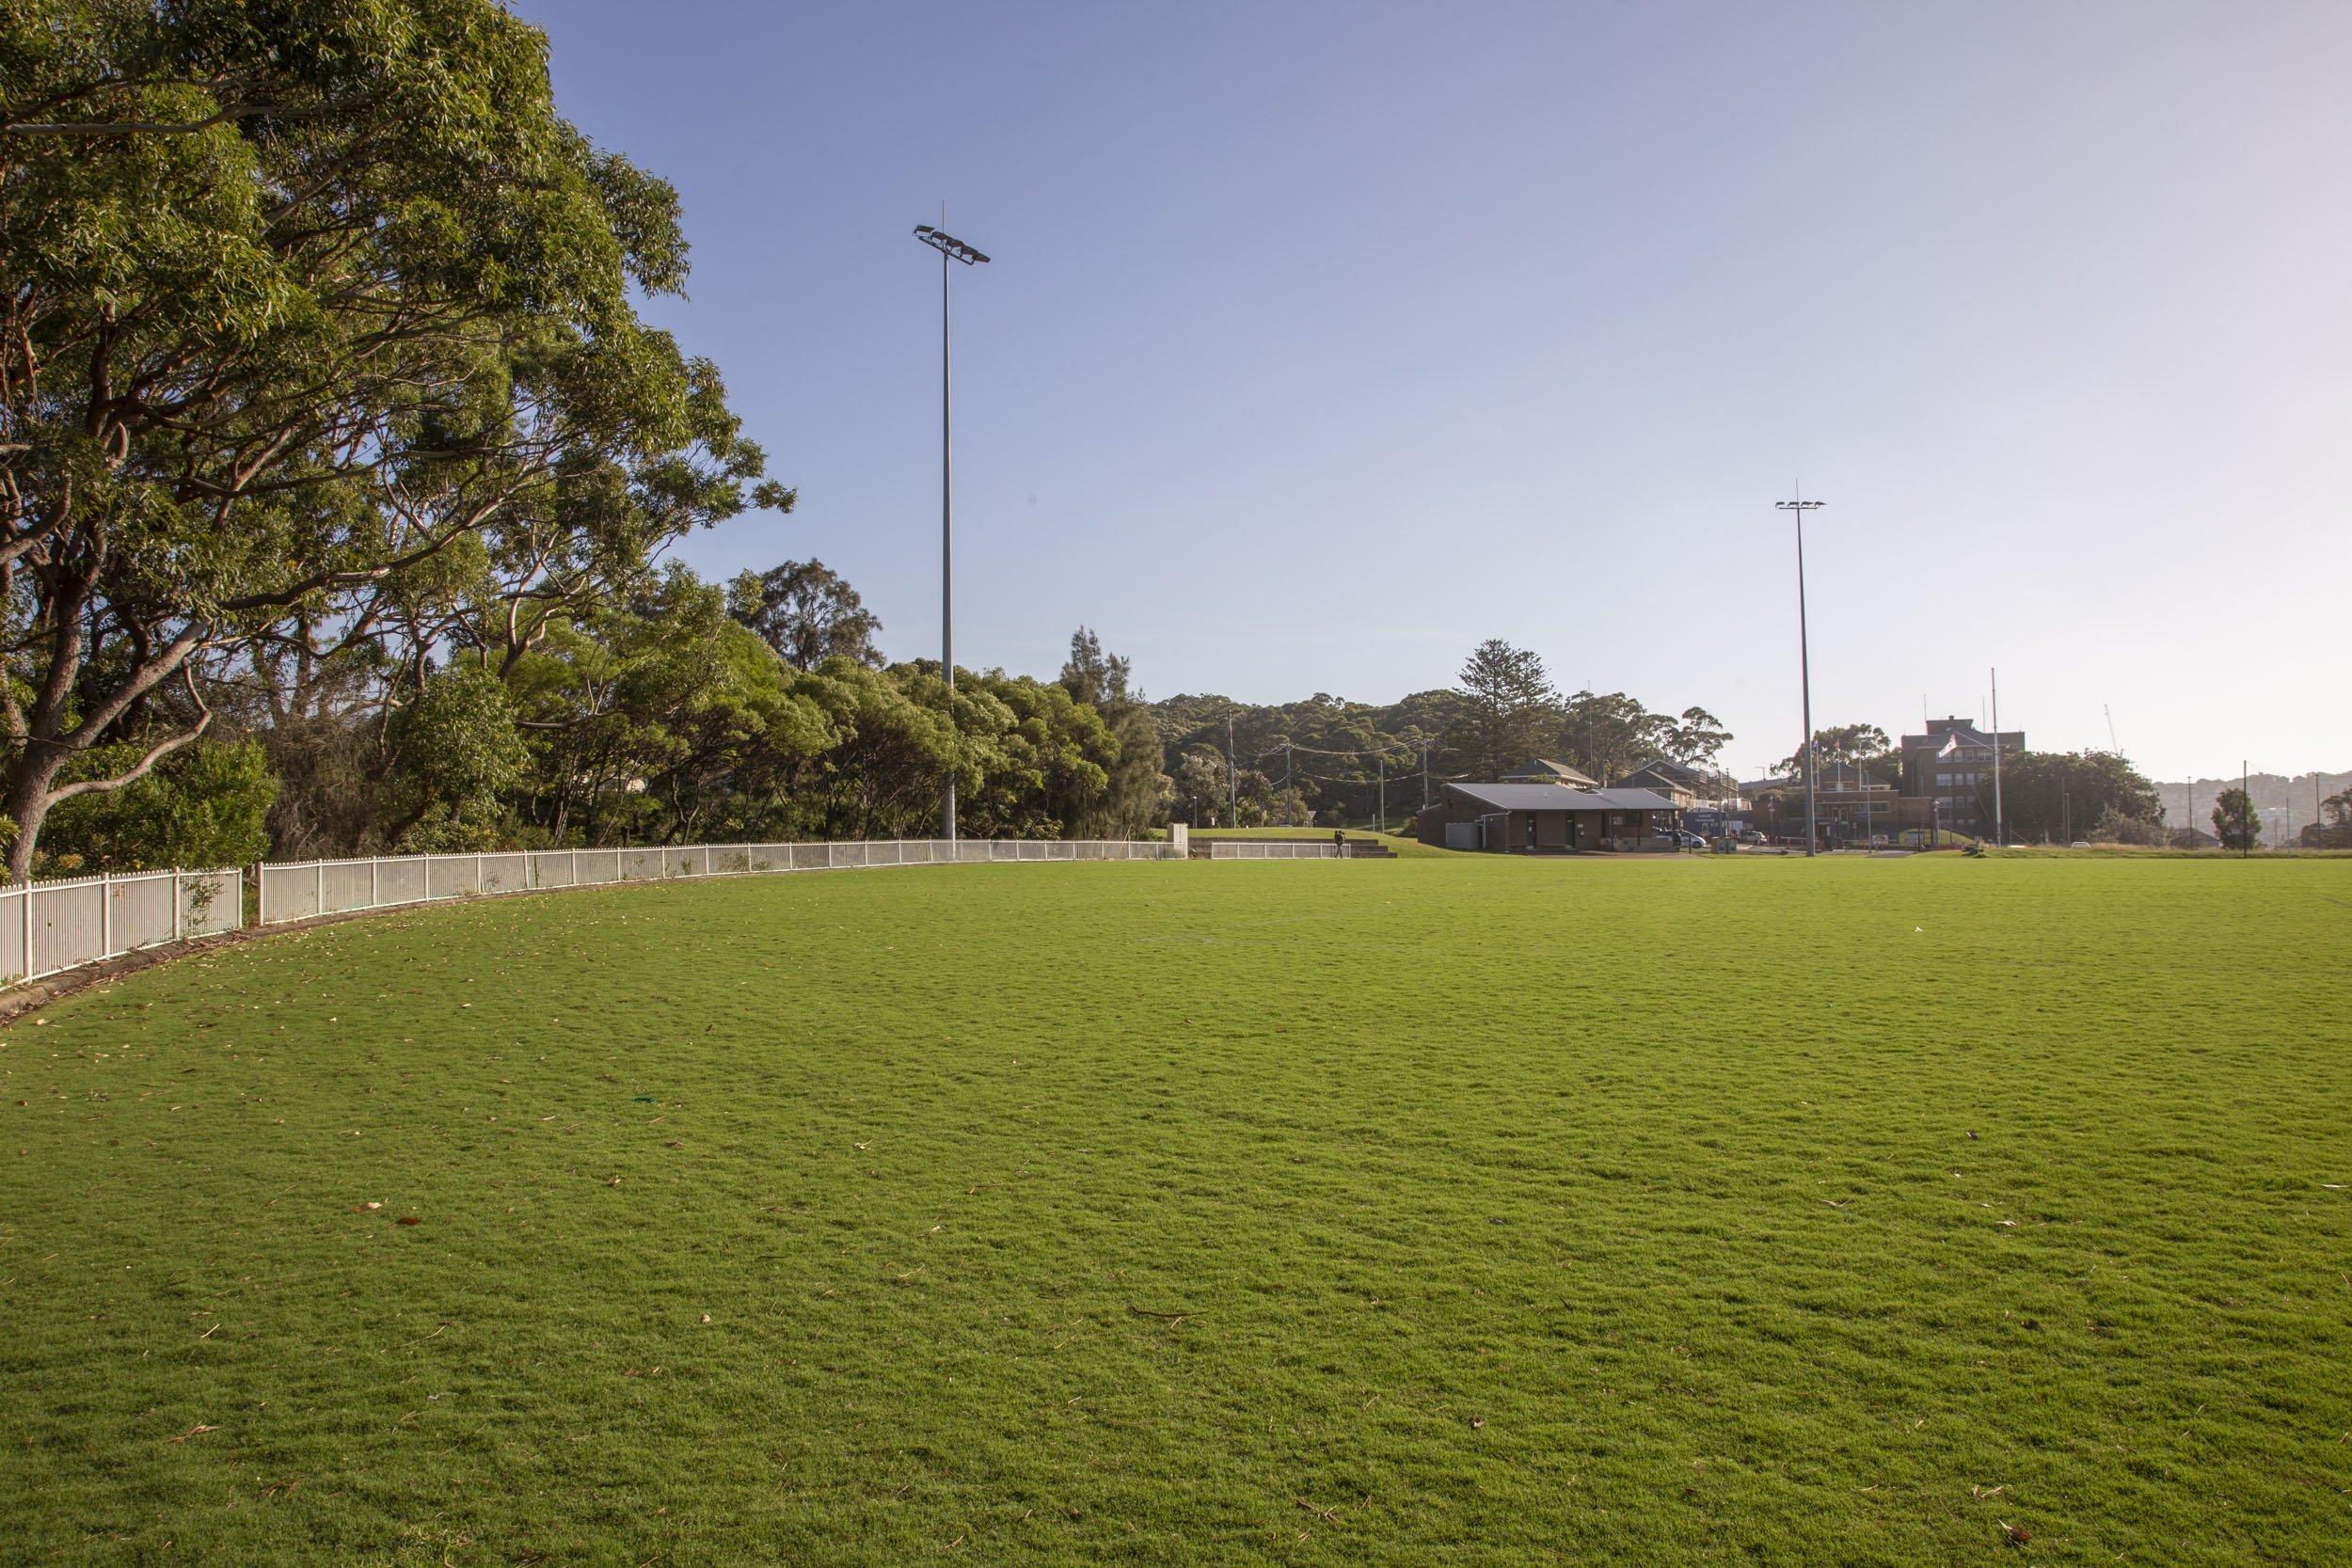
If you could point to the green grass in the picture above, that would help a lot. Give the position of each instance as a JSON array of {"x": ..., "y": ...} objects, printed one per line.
[{"x": 1473, "y": 1210}]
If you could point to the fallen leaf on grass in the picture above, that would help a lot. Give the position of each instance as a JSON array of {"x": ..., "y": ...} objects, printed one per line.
[
  {"x": 1980, "y": 1494},
  {"x": 363, "y": 1207},
  {"x": 197, "y": 1430},
  {"x": 409, "y": 1219},
  {"x": 2016, "y": 1535}
]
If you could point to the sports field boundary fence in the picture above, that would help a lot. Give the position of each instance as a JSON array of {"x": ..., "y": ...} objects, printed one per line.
[
  {"x": 52, "y": 926},
  {"x": 303, "y": 889},
  {"x": 1271, "y": 850},
  {"x": 47, "y": 928}
]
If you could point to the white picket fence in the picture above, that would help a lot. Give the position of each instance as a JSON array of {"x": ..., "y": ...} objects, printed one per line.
[
  {"x": 300, "y": 892},
  {"x": 1272, "y": 849},
  {"x": 54, "y": 925}
]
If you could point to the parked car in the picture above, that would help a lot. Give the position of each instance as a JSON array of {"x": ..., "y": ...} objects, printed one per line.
[
  {"x": 1754, "y": 835},
  {"x": 1686, "y": 839},
  {"x": 2080, "y": 843}
]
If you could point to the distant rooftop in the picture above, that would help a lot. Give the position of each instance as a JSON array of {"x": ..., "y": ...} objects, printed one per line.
[
  {"x": 1544, "y": 771},
  {"x": 1544, "y": 797}
]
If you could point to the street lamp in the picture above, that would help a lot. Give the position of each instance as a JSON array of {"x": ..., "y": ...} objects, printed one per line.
[
  {"x": 950, "y": 249},
  {"x": 1798, "y": 508}
]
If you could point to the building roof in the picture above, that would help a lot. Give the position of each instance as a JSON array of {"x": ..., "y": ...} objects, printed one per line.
[
  {"x": 1667, "y": 768},
  {"x": 1555, "y": 772},
  {"x": 1544, "y": 797},
  {"x": 1942, "y": 730}
]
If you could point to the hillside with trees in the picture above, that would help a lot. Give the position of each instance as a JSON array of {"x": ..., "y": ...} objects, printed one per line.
[{"x": 1328, "y": 760}]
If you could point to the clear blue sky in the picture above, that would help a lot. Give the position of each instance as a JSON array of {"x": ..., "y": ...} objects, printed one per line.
[{"x": 1325, "y": 340}]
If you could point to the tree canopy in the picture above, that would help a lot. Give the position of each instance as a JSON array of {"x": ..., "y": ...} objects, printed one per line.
[{"x": 317, "y": 332}]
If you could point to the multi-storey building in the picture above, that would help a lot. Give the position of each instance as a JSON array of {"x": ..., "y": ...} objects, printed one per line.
[{"x": 1951, "y": 767}]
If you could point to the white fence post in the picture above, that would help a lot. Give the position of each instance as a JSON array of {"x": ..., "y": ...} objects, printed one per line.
[
  {"x": 373, "y": 898},
  {"x": 29, "y": 970},
  {"x": 105, "y": 916},
  {"x": 477, "y": 873},
  {"x": 319, "y": 907},
  {"x": 175, "y": 904}
]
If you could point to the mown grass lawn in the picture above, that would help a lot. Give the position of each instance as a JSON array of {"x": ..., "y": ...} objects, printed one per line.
[{"x": 1453, "y": 1210}]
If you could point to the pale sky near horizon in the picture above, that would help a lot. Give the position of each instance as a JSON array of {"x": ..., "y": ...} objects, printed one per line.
[{"x": 1323, "y": 341}]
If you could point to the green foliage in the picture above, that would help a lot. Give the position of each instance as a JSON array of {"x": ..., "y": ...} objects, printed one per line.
[
  {"x": 1509, "y": 707},
  {"x": 1286, "y": 1175},
  {"x": 1206, "y": 793},
  {"x": 456, "y": 756},
  {"x": 319, "y": 313},
  {"x": 205, "y": 806},
  {"x": 2062, "y": 796},
  {"x": 2236, "y": 822},
  {"x": 2333, "y": 831},
  {"x": 1135, "y": 793},
  {"x": 807, "y": 613},
  {"x": 1864, "y": 746},
  {"x": 2113, "y": 826}
]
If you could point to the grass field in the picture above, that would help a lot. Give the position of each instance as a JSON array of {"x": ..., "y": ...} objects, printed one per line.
[{"x": 1468, "y": 1210}]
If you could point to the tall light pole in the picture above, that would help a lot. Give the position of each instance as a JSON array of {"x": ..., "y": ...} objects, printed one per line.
[
  {"x": 1232, "y": 777},
  {"x": 950, "y": 249},
  {"x": 1797, "y": 509},
  {"x": 2000, "y": 820}
]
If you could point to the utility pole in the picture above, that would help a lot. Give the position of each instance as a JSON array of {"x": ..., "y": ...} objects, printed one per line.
[
  {"x": 1424, "y": 775},
  {"x": 1381, "y": 824},
  {"x": 2245, "y": 777},
  {"x": 950, "y": 249},
  {"x": 1798, "y": 508}
]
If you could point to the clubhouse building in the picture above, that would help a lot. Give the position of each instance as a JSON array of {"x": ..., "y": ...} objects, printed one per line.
[{"x": 1549, "y": 819}]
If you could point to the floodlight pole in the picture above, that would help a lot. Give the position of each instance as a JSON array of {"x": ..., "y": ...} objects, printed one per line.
[
  {"x": 950, "y": 249},
  {"x": 1232, "y": 777},
  {"x": 2000, "y": 821},
  {"x": 1798, "y": 508}
]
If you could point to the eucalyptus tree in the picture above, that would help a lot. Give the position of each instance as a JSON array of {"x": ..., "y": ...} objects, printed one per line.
[
  {"x": 807, "y": 613},
  {"x": 314, "y": 323}
]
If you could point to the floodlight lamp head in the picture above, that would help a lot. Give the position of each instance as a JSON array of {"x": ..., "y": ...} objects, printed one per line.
[{"x": 947, "y": 244}]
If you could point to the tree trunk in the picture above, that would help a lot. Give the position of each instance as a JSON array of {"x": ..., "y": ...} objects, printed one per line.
[{"x": 27, "y": 802}]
